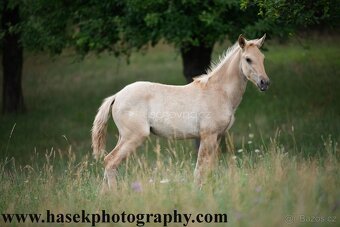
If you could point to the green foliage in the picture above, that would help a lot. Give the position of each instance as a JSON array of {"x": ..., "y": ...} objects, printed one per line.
[
  {"x": 96, "y": 25},
  {"x": 85, "y": 25},
  {"x": 54, "y": 25},
  {"x": 124, "y": 26},
  {"x": 283, "y": 17},
  {"x": 44, "y": 24},
  {"x": 183, "y": 23}
]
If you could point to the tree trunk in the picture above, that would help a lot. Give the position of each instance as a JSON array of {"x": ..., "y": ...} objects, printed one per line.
[
  {"x": 196, "y": 60},
  {"x": 12, "y": 62}
]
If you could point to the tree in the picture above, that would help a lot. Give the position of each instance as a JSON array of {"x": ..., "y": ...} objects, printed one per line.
[
  {"x": 12, "y": 59},
  {"x": 39, "y": 25},
  {"x": 284, "y": 17},
  {"x": 19, "y": 31},
  {"x": 192, "y": 26}
]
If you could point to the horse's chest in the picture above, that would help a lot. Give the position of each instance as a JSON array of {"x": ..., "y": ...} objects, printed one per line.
[{"x": 217, "y": 122}]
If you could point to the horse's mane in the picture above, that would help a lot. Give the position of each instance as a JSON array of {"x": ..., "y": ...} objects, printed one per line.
[{"x": 215, "y": 66}]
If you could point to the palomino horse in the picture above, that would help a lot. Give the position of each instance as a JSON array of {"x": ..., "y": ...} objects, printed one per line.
[{"x": 202, "y": 109}]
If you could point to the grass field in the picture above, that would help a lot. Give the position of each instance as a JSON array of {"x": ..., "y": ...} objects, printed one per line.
[{"x": 282, "y": 160}]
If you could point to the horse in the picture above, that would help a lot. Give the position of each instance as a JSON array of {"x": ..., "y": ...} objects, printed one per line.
[{"x": 203, "y": 109}]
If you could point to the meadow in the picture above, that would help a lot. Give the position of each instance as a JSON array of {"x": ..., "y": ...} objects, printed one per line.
[{"x": 279, "y": 165}]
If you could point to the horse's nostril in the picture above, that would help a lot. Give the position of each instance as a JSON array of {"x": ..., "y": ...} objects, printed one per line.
[{"x": 262, "y": 82}]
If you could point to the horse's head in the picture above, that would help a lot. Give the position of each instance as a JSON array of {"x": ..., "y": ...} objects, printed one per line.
[{"x": 252, "y": 62}]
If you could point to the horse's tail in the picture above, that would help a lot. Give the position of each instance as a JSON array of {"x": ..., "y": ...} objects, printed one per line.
[{"x": 100, "y": 126}]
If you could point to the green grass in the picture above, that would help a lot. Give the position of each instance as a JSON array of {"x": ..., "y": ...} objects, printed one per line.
[
  {"x": 253, "y": 189},
  {"x": 46, "y": 162}
]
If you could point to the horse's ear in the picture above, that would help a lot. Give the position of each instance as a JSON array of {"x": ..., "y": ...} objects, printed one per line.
[
  {"x": 260, "y": 42},
  {"x": 241, "y": 41}
]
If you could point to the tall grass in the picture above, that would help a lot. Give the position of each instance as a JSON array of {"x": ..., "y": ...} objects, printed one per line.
[{"x": 257, "y": 188}]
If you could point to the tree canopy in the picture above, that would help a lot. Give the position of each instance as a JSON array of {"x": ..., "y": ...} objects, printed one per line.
[
  {"x": 284, "y": 17},
  {"x": 183, "y": 23},
  {"x": 120, "y": 26}
]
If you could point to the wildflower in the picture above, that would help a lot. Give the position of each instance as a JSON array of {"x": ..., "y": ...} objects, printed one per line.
[
  {"x": 251, "y": 135},
  {"x": 234, "y": 157},
  {"x": 136, "y": 186},
  {"x": 238, "y": 215},
  {"x": 250, "y": 142},
  {"x": 258, "y": 189},
  {"x": 164, "y": 181},
  {"x": 257, "y": 151},
  {"x": 240, "y": 150}
]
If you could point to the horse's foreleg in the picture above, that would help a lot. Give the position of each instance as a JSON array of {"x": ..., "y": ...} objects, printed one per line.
[{"x": 206, "y": 156}]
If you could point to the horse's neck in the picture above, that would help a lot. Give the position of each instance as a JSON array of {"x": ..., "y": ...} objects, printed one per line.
[{"x": 230, "y": 79}]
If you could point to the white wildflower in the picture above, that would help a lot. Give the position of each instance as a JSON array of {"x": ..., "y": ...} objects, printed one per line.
[{"x": 164, "y": 181}]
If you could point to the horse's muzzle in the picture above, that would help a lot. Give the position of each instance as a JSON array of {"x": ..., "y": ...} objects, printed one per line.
[{"x": 263, "y": 84}]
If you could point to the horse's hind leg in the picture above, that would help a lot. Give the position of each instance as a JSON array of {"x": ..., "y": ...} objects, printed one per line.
[
  {"x": 110, "y": 174},
  {"x": 116, "y": 156},
  {"x": 130, "y": 140}
]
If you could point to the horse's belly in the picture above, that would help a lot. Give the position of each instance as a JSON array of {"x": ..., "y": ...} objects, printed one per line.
[{"x": 175, "y": 126}]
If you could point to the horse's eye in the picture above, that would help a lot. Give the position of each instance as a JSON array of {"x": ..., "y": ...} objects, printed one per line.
[{"x": 248, "y": 60}]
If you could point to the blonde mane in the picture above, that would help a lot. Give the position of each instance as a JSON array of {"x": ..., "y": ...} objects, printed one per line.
[{"x": 215, "y": 66}]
